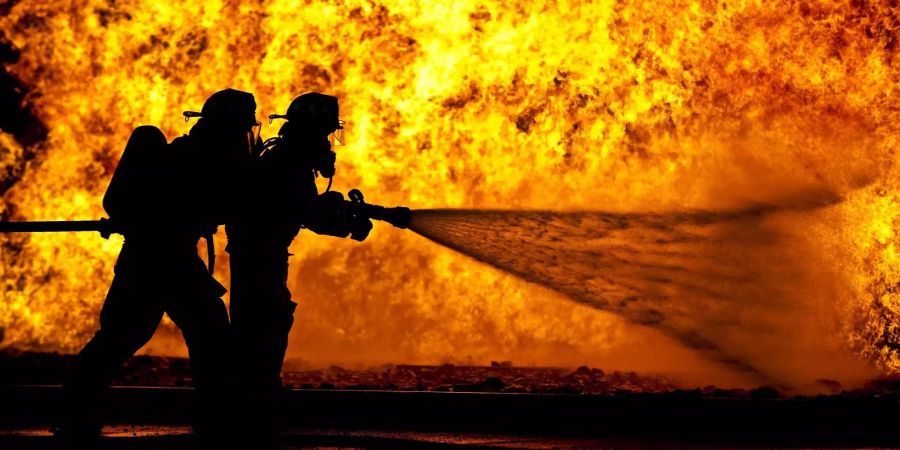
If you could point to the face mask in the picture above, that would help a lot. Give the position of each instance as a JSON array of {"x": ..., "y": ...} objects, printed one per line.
[
  {"x": 254, "y": 140},
  {"x": 314, "y": 149}
]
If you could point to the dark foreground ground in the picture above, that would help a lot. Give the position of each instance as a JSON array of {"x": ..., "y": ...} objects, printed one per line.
[
  {"x": 475, "y": 407},
  {"x": 156, "y": 418},
  {"x": 178, "y": 437}
]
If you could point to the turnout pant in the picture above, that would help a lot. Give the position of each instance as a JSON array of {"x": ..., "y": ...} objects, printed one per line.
[
  {"x": 151, "y": 280},
  {"x": 261, "y": 318}
]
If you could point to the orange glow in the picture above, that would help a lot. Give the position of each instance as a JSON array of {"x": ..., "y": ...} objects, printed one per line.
[{"x": 617, "y": 106}]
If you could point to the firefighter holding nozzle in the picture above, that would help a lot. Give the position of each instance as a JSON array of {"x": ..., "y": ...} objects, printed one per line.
[{"x": 281, "y": 198}]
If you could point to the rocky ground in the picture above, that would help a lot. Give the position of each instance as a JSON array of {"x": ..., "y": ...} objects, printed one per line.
[
  {"x": 18, "y": 368},
  {"x": 35, "y": 368}
]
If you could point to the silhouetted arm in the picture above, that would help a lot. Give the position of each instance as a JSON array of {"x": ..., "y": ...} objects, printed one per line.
[{"x": 331, "y": 215}]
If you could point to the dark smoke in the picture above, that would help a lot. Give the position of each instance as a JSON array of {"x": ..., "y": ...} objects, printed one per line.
[
  {"x": 17, "y": 117},
  {"x": 724, "y": 283}
]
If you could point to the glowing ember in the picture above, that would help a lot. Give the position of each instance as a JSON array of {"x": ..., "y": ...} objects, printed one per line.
[{"x": 615, "y": 106}]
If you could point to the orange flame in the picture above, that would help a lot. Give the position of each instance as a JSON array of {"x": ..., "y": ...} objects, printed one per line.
[{"x": 571, "y": 105}]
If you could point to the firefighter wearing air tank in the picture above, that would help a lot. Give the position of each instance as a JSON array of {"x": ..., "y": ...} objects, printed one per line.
[
  {"x": 161, "y": 199},
  {"x": 281, "y": 198}
]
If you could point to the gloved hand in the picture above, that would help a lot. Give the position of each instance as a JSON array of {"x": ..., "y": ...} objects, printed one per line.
[
  {"x": 329, "y": 216},
  {"x": 334, "y": 216},
  {"x": 360, "y": 228}
]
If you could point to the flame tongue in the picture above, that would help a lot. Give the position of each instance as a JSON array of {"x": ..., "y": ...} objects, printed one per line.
[{"x": 626, "y": 105}]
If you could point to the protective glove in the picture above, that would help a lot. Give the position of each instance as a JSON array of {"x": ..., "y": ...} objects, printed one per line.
[
  {"x": 360, "y": 228},
  {"x": 331, "y": 216}
]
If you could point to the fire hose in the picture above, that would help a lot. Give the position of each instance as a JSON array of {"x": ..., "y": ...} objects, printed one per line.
[{"x": 398, "y": 216}]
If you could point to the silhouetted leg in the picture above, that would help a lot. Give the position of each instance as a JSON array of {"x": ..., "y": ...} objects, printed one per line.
[
  {"x": 203, "y": 320},
  {"x": 261, "y": 341},
  {"x": 127, "y": 321},
  {"x": 262, "y": 316}
]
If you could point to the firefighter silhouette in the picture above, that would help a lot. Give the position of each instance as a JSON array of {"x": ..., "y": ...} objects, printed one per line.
[
  {"x": 161, "y": 197},
  {"x": 280, "y": 199}
]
